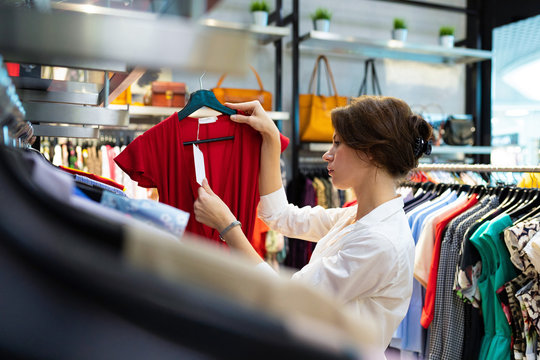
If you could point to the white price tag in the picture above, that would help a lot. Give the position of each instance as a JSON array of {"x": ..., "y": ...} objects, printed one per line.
[
  {"x": 208, "y": 120},
  {"x": 198, "y": 158}
]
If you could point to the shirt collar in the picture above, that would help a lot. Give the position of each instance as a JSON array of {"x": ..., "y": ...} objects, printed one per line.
[{"x": 382, "y": 212}]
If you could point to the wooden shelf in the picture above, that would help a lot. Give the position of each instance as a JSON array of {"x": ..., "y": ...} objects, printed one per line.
[{"x": 331, "y": 43}]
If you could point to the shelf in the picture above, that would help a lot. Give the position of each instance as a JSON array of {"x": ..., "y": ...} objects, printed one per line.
[
  {"x": 436, "y": 150},
  {"x": 90, "y": 37},
  {"x": 263, "y": 34},
  {"x": 159, "y": 111},
  {"x": 66, "y": 131},
  {"x": 41, "y": 112},
  {"x": 439, "y": 150},
  {"x": 47, "y": 90},
  {"x": 318, "y": 41}
]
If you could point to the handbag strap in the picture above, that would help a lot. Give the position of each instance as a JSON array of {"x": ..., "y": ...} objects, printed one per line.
[
  {"x": 328, "y": 74},
  {"x": 252, "y": 69},
  {"x": 369, "y": 64}
]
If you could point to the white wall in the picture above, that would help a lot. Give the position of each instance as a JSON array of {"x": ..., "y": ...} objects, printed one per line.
[{"x": 424, "y": 86}]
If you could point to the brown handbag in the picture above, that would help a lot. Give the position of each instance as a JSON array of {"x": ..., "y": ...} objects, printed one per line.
[
  {"x": 168, "y": 94},
  {"x": 315, "y": 120},
  {"x": 234, "y": 95}
]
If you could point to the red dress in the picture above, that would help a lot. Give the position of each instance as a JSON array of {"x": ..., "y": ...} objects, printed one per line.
[{"x": 158, "y": 158}]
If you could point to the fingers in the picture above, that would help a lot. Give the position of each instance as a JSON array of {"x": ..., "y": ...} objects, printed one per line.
[
  {"x": 244, "y": 106},
  {"x": 240, "y": 118},
  {"x": 207, "y": 187},
  {"x": 201, "y": 191}
]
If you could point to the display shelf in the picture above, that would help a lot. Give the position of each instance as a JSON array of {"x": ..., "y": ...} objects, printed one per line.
[
  {"x": 440, "y": 150},
  {"x": 331, "y": 43},
  {"x": 436, "y": 150},
  {"x": 159, "y": 111},
  {"x": 47, "y": 90},
  {"x": 88, "y": 37},
  {"x": 42, "y": 112},
  {"x": 263, "y": 34},
  {"x": 66, "y": 131}
]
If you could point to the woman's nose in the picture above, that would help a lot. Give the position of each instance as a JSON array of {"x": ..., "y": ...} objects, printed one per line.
[{"x": 327, "y": 156}]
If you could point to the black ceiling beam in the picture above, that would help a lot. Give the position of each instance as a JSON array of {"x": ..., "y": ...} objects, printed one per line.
[{"x": 435, "y": 6}]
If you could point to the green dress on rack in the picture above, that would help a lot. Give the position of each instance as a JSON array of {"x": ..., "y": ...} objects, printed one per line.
[
  {"x": 500, "y": 344},
  {"x": 497, "y": 269},
  {"x": 484, "y": 284}
]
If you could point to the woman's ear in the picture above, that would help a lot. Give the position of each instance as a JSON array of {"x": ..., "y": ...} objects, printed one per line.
[{"x": 365, "y": 156}]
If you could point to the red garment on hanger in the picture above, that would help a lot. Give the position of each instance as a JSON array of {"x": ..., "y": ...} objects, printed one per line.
[
  {"x": 429, "y": 303},
  {"x": 93, "y": 177},
  {"x": 158, "y": 158}
]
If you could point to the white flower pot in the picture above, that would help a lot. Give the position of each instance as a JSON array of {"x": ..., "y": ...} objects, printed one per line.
[
  {"x": 399, "y": 34},
  {"x": 446, "y": 41},
  {"x": 322, "y": 25},
  {"x": 260, "y": 18}
]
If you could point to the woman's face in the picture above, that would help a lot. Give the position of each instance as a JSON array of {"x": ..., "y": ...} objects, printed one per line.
[{"x": 347, "y": 167}]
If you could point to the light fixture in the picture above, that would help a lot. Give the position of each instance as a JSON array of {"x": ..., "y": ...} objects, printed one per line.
[
  {"x": 516, "y": 112},
  {"x": 525, "y": 78}
]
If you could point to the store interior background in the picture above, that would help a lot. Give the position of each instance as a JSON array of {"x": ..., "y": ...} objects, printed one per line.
[
  {"x": 428, "y": 88},
  {"x": 435, "y": 90}
]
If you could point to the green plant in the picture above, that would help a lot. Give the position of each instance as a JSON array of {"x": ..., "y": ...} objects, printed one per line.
[
  {"x": 321, "y": 13},
  {"x": 446, "y": 30},
  {"x": 259, "y": 6},
  {"x": 400, "y": 23}
]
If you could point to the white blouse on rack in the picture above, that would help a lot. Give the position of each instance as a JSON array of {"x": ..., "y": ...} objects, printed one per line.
[{"x": 367, "y": 265}]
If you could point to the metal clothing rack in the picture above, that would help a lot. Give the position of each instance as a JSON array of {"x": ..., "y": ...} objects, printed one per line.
[
  {"x": 477, "y": 168},
  {"x": 15, "y": 131}
]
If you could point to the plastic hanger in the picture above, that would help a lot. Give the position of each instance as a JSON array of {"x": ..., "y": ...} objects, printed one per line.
[
  {"x": 204, "y": 98},
  {"x": 532, "y": 203},
  {"x": 201, "y": 98}
]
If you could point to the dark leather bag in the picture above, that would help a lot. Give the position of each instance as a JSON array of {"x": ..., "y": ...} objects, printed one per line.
[
  {"x": 458, "y": 131},
  {"x": 168, "y": 94}
]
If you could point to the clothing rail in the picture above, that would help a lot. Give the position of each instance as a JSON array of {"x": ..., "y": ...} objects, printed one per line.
[
  {"x": 476, "y": 168},
  {"x": 15, "y": 130}
]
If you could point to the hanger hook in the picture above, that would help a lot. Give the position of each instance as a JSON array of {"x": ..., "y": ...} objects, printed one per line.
[{"x": 200, "y": 79}]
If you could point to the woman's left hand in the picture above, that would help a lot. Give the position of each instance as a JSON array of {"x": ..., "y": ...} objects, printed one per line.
[{"x": 210, "y": 210}]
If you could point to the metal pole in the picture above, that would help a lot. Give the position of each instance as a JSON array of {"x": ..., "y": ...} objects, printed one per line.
[
  {"x": 106, "y": 86},
  {"x": 476, "y": 168},
  {"x": 278, "y": 44},
  {"x": 296, "y": 91}
]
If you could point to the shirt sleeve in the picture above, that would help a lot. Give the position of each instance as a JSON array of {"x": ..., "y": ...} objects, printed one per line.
[
  {"x": 307, "y": 223},
  {"x": 264, "y": 268},
  {"x": 356, "y": 270},
  {"x": 132, "y": 160}
]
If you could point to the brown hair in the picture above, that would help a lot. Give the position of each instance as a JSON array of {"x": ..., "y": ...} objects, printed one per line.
[{"x": 385, "y": 128}]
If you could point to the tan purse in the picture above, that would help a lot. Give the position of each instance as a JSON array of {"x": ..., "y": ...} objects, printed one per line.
[
  {"x": 235, "y": 95},
  {"x": 315, "y": 120}
]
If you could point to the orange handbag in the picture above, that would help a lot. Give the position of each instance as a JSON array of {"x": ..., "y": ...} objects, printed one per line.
[
  {"x": 315, "y": 120},
  {"x": 234, "y": 95}
]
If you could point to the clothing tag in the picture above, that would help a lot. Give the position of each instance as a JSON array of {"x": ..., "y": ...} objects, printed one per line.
[
  {"x": 198, "y": 157},
  {"x": 208, "y": 120}
]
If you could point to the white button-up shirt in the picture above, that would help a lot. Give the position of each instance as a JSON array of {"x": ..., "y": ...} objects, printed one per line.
[{"x": 367, "y": 265}]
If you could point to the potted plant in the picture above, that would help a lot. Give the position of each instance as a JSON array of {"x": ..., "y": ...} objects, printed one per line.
[
  {"x": 259, "y": 12},
  {"x": 400, "y": 29},
  {"x": 321, "y": 19},
  {"x": 446, "y": 36}
]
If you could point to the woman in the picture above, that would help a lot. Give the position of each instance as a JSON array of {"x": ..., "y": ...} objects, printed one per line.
[{"x": 365, "y": 254}]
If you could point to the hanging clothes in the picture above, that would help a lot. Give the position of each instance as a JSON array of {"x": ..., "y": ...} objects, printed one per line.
[{"x": 158, "y": 158}]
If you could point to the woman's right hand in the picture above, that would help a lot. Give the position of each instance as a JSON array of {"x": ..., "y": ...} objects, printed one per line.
[{"x": 256, "y": 117}]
